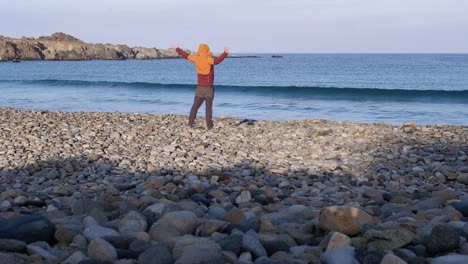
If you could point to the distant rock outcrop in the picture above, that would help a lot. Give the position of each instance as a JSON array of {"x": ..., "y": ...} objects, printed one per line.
[{"x": 60, "y": 46}]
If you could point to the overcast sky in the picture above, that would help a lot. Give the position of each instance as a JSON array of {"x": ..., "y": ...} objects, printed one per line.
[{"x": 249, "y": 25}]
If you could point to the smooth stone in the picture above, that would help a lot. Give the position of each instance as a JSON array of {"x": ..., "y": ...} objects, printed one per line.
[
  {"x": 390, "y": 209},
  {"x": 235, "y": 216},
  {"x": 232, "y": 243},
  {"x": 156, "y": 254},
  {"x": 11, "y": 258},
  {"x": 12, "y": 245},
  {"x": 27, "y": 228},
  {"x": 443, "y": 238},
  {"x": 338, "y": 240},
  {"x": 94, "y": 261},
  {"x": 203, "y": 253},
  {"x": 94, "y": 232},
  {"x": 133, "y": 222},
  {"x": 445, "y": 195},
  {"x": 75, "y": 258},
  {"x": 217, "y": 212},
  {"x": 392, "y": 259},
  {"x": 163, "y": 233},
  {"x": 102, "y": 250},
  {"x": 246, "y": 225},
  {"x": 79, "y": 241},
  {"x": 276, "y": 242},
  {"x": 65, "y": 235},
  {"x": 157, "y": 208},
  {"x": 90, "y": 221},
  {"x": 182, "y": 221},
  {"x": 251, "y": 243},
  {"x": 300, "y": 232},
  {"x": 33, "y": 249},
  {"x": 125, "y": 261},
  {"x": 200, "y": 198},
  {"x": 463, "y": 249},
  {"x": 126, "y": 254},
  {"x": 188, "y": 240},
  {"x": 119, "y": 241},
  {"x": 139, "y": 246},
  {"x": 210, "y": 226},
  {"x": 462, "y": 207},
  {"x": 387, "y": 239},
  {"x": 450, "y": 259},
  {"x": 243, "y": 197},
  {"x": 339, "y": 256},
  {"x": 344, "y": 219},
  {"x": 430, "y": 203},
  {"x": 405, "y": 254},
  {"x": 245, "y": 257},
  {"x": 266, "y": 260}
]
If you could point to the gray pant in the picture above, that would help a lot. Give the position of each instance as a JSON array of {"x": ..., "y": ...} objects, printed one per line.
[{"x": 203, "y": 94}]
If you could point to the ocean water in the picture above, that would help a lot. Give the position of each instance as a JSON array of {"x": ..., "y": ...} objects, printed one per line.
[{"x": 389, "y": 88}]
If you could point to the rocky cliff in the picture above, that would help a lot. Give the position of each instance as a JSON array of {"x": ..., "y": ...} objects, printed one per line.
[{"x": 60, "y": 46}]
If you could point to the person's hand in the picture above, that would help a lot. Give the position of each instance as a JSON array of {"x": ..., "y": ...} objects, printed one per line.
[
  {"x": 226, "y": 49},
  {"x": 174, "y": 46}
]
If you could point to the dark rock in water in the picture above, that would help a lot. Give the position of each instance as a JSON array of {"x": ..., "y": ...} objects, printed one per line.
[
  {"x": 462, "y": 207},
  {"x": 156, "y": 254},
  {"x": 200, "y": 199},
  {"x": 27, "y": 228},
  {"x": 443, "y": 238}
]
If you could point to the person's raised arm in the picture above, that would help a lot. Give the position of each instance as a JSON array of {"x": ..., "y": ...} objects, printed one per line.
[
  {"x": 180, "y": 51},
  {"x": 219, "y": 59}
]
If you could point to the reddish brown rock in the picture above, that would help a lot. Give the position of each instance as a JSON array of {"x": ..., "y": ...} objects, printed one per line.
[{"x": 344, "y": 219}]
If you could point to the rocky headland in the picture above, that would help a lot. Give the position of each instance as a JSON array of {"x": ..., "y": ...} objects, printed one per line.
[
  {"x": 120, "y": 188},
  {"x": 60, "y": 46}
]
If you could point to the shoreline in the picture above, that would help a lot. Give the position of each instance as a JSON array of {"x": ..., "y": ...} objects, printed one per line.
[
  {"x": 222, "y": 117},
  {"x": 288, "y": 191}
]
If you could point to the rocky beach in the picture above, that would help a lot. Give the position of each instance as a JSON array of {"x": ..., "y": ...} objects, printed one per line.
[{"x": 83, "y": 187}]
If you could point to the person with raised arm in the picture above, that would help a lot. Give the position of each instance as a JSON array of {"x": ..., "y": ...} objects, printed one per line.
[{"x": 204, "y": 64}]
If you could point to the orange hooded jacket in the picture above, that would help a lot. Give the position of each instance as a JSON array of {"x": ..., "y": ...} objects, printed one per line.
[{"x": 204, "y": 63}]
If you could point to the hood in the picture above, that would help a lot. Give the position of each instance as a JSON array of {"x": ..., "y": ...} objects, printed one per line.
[{"x": 204, "y": 50}]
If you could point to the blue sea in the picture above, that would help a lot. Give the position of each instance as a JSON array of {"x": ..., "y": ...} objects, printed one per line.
[{"x": 389, "y": 88}]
